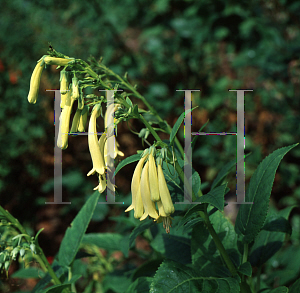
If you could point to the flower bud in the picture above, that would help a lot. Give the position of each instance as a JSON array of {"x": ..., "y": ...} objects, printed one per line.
[
  {"x": 83, "y": 119},
  {"x": 58, "y": 61},
  {"x": 64, "y": 85},
  {"x": 75, "y": 88},
  {"x": 35, "y": 82}
]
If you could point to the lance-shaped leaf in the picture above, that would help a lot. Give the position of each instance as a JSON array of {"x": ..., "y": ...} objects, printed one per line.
[{"x": 251, "y": 217}]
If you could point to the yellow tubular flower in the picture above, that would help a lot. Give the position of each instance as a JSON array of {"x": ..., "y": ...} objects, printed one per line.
[
  {"x": 137, "y": 203},
  {"x": 161, "y": 210},
  {"x": 58, "y": 61},
  {"x": 35, "y": 82},
  {"x": 64, "y": 86},
  {"x": 75, "y": 122},
  {"x": 153, "y": 181},
  {"x": 102, "y": 183},
  {"x": 164, "y": 192},
  {"x": 83, "y": 119},
  {"x": 102, "y": 143},
  {"x": 97, "y": 157},
  {"x": 64, "y": 98},
  {"x": 75, "y": 88},
  {"x": 149, "y": 205},
  {"x": 110, "y": 110},
  {"x": 64, "y": 124}
]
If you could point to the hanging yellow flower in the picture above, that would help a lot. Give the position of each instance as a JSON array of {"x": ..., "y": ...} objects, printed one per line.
[
  {"x": 35, "y": 81},
  {"x": 165, "y": 196},
  {"x": 96, "y": 155},
  {"x": 110, "y": 110},
  {"x": 137, "y": 203},
  {"x": 149, "y": 205},
  {"x": 64, "y": 123},
  {"x": 153, "y": 180}
]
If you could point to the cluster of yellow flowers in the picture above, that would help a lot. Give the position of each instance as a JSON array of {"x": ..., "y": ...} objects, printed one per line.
[
  {"x": 97, "y": 148},
  {"x": 148, "y": 186}
]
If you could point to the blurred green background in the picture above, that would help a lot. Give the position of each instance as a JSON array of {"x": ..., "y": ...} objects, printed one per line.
[{"x": 163, "y": 45}]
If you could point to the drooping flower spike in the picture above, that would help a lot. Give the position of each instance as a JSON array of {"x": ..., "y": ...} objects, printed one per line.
[
  {"x": 137, "y": 203},
  {"x": 96, "y": 155}
]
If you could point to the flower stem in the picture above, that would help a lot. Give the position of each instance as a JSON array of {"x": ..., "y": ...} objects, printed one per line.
[{"x": 219, "y": 244}]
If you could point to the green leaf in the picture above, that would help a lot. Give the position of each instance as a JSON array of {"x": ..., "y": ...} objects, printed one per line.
[
  {"x": 175, "y": 185},
  {"x": 270, "y": 239},
  {"x": 174, "y": 277},
  {"x": 108, "y": 241},
  {"x": 281, "y": 289},
  {"x": 173, "y": 247},
  {"x": 205, "y": 254},
  {"x": 117, "y": 281},
  {"x": 265, "y": 246},
  {"x": 177, "y": 125},
  {"x": 140, "y": 285},
  {"x": 56, "y": 288},
  {"x": 278, "y": 221},
  {"x": 89, "y": 288},
  {"x": 223, "y": 173},
  {"x": 74, "y": 234},
  {"x": 215, "y": 197},
  {"x": 147, "y": 269},
  {"x": 251, "y": 217},
  {"x": 190, "y": 214},
  {"x": 245, "y": 269},
  {"x": 127, "y": 161},
  {"x": 288, "y": 266},
  {"x": 295, "y": 287},
  {"x": 129, "y": 102},
  {"x": 31, "y": 272},
  {"x": 139, "y": 229}
]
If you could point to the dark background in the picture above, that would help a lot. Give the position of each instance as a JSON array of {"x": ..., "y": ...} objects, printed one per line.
[{"x": 163, "y": 45}]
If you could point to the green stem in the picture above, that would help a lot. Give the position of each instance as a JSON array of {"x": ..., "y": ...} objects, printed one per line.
[
  {"x": 219, "y": 244},
  {"x": 142, "y": 98},
  {"x": 177, "y": 166},
  {"x": 245, "y": 257},
  {"x": 45, "y": 262},
  {"x": 246, "y": 251},
  {"x": 258, "y": 279},
  {"x": 13, "y": 220},
  {"x": 152, "y": 131}
]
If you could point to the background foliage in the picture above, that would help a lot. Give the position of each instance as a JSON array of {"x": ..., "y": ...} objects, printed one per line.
[{"x": 164, "y": 46}]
